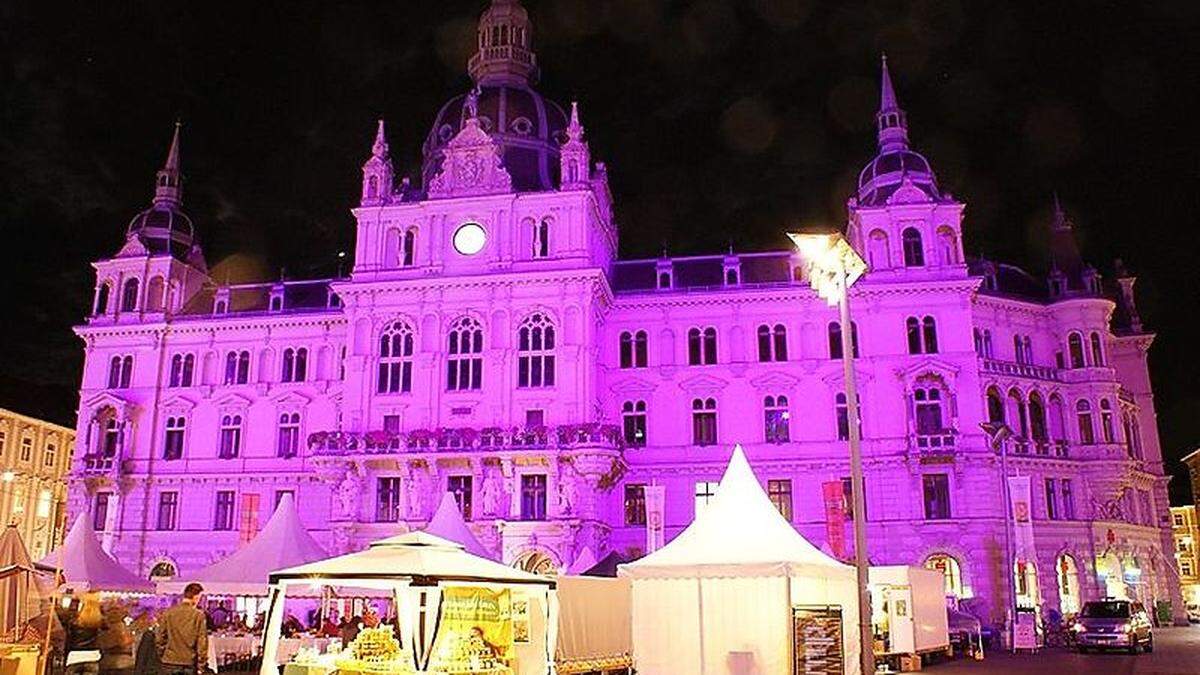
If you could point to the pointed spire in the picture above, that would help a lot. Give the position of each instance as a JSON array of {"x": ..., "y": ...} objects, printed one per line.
[
  {"x": 168, "y": 186},
  {"x": 1060, "y": 220},
  {"x": 891, "y": 121},
  {"x": 575, "y": 158},
  {"x": 380, "y": 147},
  {"x": 574, "y": 128}
]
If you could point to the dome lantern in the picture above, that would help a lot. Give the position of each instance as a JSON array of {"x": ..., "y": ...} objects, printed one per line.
[{"x": 504, "y": 44}]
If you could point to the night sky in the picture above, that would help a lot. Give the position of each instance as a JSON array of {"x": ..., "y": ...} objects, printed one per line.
[{"x": 721, "y": 121}]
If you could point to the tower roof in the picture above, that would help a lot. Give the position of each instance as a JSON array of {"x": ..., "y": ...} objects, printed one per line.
[
  {"x": 164, "y": 227},
  {"x": 895, "y": 164},
  {"x": 505, "y": 54}
]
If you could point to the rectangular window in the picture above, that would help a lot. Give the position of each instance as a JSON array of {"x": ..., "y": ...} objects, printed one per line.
[
  {"x": 937, "y": 496},
  {"x": 248, "y": 519},
  {"x": 100, "y": 511},
  {"x": 533, "y": 497},
  {"x": 26, "y": 449},
  {"x": 50, "y": 456},
  {"x": 279, "y": 494},
  {"x": 43, "y": 504},
  {"x": 780, "y": 492},
  {"x": 848, "y": 498},
  {"x": 705, "y": 491},
  {"x": 1051, "y": 499},
  {"x": 535, "y": 418},
  {"x": 387, "y": 500},
  {"x": 391, "y": 424},
  {"x": 461, "y": 488},
  {"x": 633, "y": 418},
  {"x": 1178, "y": 518},
  {"x": 704, "y": 424},
  {"x": 173, "y": 439},
  {"x": 1185, "y": 568},
  {"x": 635, "y": 504},
  {"x": 223, "y": 514},
  {"x": 1068, "y": 499},
  {"x": 775, "y": 419},
  {"x": 168, "y": 510}
]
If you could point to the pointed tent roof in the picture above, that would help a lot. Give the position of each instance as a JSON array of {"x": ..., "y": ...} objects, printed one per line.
[
  {"x": 86, "y": 565},
  {"x": 585, "y": 561},
  {"x": 447, "y": 522},
  {"x": 283, "y": 542},
  {"x": 739, "y": 533},
  {"x": 416, "y": 555},
  {"x": 13, "y": 553}
]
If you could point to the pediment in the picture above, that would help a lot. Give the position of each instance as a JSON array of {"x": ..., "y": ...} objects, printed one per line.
[
  {"x": 928, "y": 364},
  {"x": 107, "y": 399},
  {"x": 178, "y": 402},
  {"x": 836, "y": 380},
  {"x": 291, "y": 398},
  {"x": 702, "y": 384},
  {"x": 233, "y": 400},
  {"x": 632, "y": 387},
  {"x": 775, "y": 381},
  {"x": 908, "y": 193}
]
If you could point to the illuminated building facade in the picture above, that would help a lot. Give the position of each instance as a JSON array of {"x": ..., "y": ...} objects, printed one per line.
[
  {"x": 489, "y": 342},
  {"x": 35, "y": 457}
]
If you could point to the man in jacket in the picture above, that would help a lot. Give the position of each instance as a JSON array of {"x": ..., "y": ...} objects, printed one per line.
[{"x": 182, "y": 635}]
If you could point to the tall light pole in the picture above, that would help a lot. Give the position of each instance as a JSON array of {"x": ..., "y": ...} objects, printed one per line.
[
  {"x": 832, "y": 266},
  {"x": 998, "y": 434}
]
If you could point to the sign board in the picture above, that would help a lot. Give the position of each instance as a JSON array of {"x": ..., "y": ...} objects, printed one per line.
[
  {"x": 835, "y": 517},
  {"x": 1025, "y": 631},
  {"x": 1022, "y": 517},
  {"x": 655, "y": 499},
  {"x": 475, "y": 629},
  {"x": 817, "y": 640}
]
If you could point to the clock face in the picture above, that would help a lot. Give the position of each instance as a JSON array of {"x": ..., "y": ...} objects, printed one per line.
[{"x": 469, "y": 238}]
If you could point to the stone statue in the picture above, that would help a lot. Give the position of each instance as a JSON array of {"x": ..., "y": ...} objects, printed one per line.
[
  {"x": 471, "y": 105},
  {"x": 416, "y": 496},
  {"x": 349, "y": 494},
  {"x": 567, "y": 495},
  {"x": 493, "y": 496}
]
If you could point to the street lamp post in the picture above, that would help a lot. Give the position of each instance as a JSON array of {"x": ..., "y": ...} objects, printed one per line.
[
  {"x": 832, "y": 266},
  {"x": 998, "y": 434}
]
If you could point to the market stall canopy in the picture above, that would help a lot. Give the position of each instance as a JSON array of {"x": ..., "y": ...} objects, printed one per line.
[
  {"x": 86, "y": 566},
  {"x": 19, "y": 592},
  {"x": 739, "y": 531},
  {"x": 416, "y": 555},
  {"x": 447, "y": 522},
  {"x": 607, "y": 567},
  {"x": 283, "y": 542},
  {"x": 585, "y": 561}
]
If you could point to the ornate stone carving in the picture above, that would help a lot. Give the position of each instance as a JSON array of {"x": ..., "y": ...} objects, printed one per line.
[
  {"x": 349, "y": 494},
  {"x": 494, "y": 502},
  {"x": 473, "y": 165}
]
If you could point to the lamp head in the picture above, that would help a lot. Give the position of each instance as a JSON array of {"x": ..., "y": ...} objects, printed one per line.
[{"x": 831, "y": 264}]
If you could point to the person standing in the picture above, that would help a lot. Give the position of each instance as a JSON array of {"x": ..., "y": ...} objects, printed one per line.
[
  {"x": 82, "y": 629},
  {"x": 182, "y": 635}
]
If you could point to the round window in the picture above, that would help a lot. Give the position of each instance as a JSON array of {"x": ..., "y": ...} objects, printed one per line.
[{"x": 469, "y": 238}]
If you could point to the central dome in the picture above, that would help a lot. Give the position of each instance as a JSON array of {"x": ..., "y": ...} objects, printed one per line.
[{"x": 528, "y": 127}]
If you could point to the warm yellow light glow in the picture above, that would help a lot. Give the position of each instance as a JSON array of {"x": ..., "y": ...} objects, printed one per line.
[
  {"x": 9, "y": 476},
  {"x": 830, "y": 263}
]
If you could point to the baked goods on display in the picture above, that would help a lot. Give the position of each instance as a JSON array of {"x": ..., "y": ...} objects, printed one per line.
[{"x": 376, "y": 650}]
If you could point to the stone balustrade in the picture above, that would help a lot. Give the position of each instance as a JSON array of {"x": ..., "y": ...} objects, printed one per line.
[
  {"x": 333, "y": 443},
  {"x": 1014, "y": 369}
]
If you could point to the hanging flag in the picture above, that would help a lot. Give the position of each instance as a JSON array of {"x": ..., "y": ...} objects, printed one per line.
[
  {"x": 655, "y": 499},
  {"x": 1022, "y": 517},
  {"x": 835, "y": 517}
]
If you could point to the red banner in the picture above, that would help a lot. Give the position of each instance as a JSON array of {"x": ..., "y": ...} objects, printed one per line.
[{"x": 835, "y": 517}]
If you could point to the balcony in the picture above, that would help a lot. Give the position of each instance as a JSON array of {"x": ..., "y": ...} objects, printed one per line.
[
  {"x": 494, "y": 439},
  {"x": 936, "y": 448},
  {"x": 99, "y": 465},
  {"x": 1014, "y": 369}
]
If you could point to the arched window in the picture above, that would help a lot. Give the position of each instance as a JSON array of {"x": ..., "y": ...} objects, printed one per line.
[
  {"x": 1017, "y": 405},
  {"x": 987, "y": 343},
  {"x": 922, "y": 335},
  {"x": 464, "y": 362},
  {"x": 842, "y": 415},
  {"x": 995, "y": 406},
  {"x": 633, "y": 418},
  {"x": 395, "y": 359},
  {"x": 173, "y": 438},
  {"x": 1037, "y": 418},
  {"x": 702, "y": 346},
  {"x": 230, "y": 439},
  {"x": 1106, "y": 421},
  {"x": 704, "y": 421},
  {"x": 129, "y": 295},
  {"x": 1057, "y": 419},
  {"x": 408, "y": 248},
  {"x": 541, "y": 238},
  {"x": 834, "y": 333},
  {"x": 1083, "y": 415},
  {"x": 1097, "y": 351},
  {"x": 879, "y": 257},
  {"x": 110, "y": 443},
  {"x": 664, "y": 280},
  {"x": 102, "y": 293},
  {"x": 289, "y": 435},
  {"x": 633, "y": 349},
  {"x": 950, "y": 569},
  {"x": 1075, "y": 349},
  {"x": 731, "y": 277},
  {"x": 295, "y": 364},
  {"x": 535, "y": 352},
  {"x": 775, "y": 418},
  {"x": 928, "y": 402},
  {"x": 162, "y": 570},
  {"x": 914, "y": 253},
  {"x": 372, "y": 187},
  {"x": 182, "y": 368},
  {"x": 237, "y": 367},
  {"x": 220, "y": 307},
  {"x": 120, "y": 372},
  {"x": 947, "y": 246},
  {"x": 772, "y": 343}
]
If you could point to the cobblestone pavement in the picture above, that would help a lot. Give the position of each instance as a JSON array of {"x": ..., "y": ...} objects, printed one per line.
[{"x": 1176, "y": 652}]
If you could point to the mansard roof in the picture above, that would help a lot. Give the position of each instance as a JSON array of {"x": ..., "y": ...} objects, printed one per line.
[
  {"x": 703, "y": 272},
  {"x": 305, "y": 295}
]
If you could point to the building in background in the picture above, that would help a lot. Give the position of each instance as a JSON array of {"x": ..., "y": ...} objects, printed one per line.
[
  {"x": 1187, "y": 537},
  {"x": 488, "y": 342},
  {"x": 35, "y": 457}
]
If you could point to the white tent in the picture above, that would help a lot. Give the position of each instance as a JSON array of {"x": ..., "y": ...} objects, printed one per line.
[
  {"x": 19, "y": 591},
  {"x": 719, "y": 597},
  {"x": 447, "y": 522},
  {"x": 415, "y": 568},
  {"x": 86, "y": 566},
  {"x": 283, "y": 542}
]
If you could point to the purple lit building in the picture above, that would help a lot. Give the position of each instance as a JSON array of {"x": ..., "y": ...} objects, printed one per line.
[{"x": 488, "y": 342}]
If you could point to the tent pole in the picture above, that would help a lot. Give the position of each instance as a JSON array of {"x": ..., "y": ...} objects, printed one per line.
[{"x": 700, "y": 614}]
